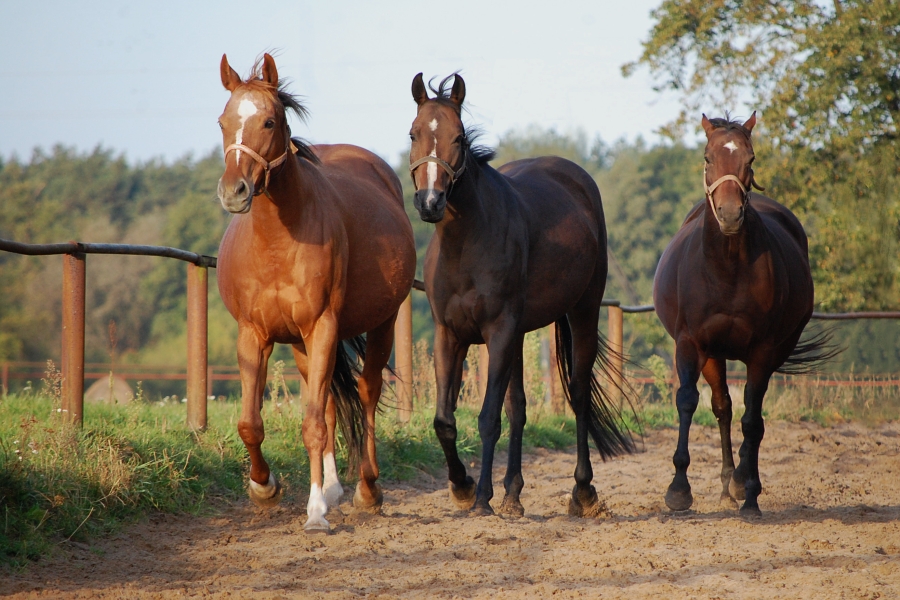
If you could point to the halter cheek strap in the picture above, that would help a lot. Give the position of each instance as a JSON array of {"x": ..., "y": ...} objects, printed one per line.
[{"x": 266, "y": 165}]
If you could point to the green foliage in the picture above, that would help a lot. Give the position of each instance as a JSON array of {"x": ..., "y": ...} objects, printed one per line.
[{"x": 827, "y": 81}]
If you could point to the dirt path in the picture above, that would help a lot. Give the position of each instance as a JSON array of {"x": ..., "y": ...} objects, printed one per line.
[{"x": 831, "y": 529}]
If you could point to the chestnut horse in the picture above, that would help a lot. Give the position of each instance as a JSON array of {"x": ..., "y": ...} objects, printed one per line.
[
  {"x": 514, "y": 249},
  {"x": 733, "y": 284},
  {"x": 320, "y": 250}
]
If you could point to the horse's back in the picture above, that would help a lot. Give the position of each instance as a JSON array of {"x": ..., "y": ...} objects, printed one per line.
[
  {"x": 341, "y": 162},
  {"x": 567, "y": 234}
]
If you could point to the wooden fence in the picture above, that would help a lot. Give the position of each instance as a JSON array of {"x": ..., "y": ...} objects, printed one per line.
[{"x": 198, "y": 375}]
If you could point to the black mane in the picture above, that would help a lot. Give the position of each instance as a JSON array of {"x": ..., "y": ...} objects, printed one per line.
[{"x": 479, "y": 153}]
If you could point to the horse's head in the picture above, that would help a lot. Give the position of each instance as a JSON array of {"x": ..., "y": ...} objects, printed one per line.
[
  {"x": 255, "y": 133},
  {"x": 728, "y": 172},
  {"x": 437, "y": 154}
]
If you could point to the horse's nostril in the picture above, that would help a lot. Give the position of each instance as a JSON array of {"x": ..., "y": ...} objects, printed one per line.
[{"x": 240, "y": 187}]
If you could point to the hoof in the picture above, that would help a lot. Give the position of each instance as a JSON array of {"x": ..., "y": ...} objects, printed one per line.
[
  {"x": 586, "y": 504},
  {"x": 370, "y": 506},
  {"x": 266, "y": 496},
  {"x": 463, "y": 496},
  {"x": 727, "y": 502},
  {"x": 316, "y": 526},
  {"x": 737, "y": 490},
  {"x": 482, "y": 510},
  {"x": 752, "y": 512},
  {"x": 511, "y": 507},
  {"x": 679, "y": 500}
]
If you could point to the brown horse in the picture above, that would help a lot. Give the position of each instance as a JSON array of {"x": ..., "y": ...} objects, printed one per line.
[
  {"x": 320, "y": 250},
  {"x": 514, "y": 249},
  {"x": 733, "y": 284}
]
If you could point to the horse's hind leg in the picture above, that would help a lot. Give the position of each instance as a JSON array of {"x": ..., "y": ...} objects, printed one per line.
[
  {"x": 331, "y": 485},
  {"x": 583, "y": 320},
  {"x": 678, "y": 496},
  {"x": 379, "y": 342},
  {"x": 449, "y": 355},
  {"x": 515, "y": 412},
  {"x": 714, "y": 373},
  {"x": 253, "y": 360},
  {"x": 747, "y": 472}
]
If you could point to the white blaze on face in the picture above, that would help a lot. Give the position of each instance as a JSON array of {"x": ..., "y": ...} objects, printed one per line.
[
  {"x": 246, "y": 109},
  {"x": 432, "y": 168},
  {"x": 731, "y": 146}
]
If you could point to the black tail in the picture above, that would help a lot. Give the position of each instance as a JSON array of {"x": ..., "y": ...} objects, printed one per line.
[
  {"x": 811, "y": 352},
  {"x": 604, "y": 420},
  {"x": 345, "y": 388}
]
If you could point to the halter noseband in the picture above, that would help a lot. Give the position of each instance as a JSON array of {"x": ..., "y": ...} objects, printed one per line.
[
  {"x": 454, "y": 175},
  {"x": 266, "y": 165},
  {"x": 709, "y": 189}
]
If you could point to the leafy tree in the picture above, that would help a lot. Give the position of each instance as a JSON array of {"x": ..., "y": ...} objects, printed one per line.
[{"x": 827, "y": 82}]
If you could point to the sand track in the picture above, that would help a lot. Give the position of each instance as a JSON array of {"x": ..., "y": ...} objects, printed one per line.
[{"x": 830, "y": 529}]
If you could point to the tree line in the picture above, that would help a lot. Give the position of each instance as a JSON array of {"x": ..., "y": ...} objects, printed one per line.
[{"x": 826, "y": 81}]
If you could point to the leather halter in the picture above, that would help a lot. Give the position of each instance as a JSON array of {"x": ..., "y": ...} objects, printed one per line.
[
  {"x": 266, "y": 165},
  {"x": 454, "y": 175},
  {"x": 709, "y": 189}
]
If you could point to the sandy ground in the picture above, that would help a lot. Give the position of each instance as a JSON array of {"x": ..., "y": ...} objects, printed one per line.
[{"x": 830, "y": 529}]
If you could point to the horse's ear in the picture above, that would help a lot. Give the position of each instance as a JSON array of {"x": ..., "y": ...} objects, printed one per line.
[
  {"x": 458, "y": 93},
  {"x": 269, "y": 71},
  {"x": 419, "y": 93},
  {"x": 749, "y": 123},
  {"x": 707, "y": 126},
  {"x": 230, "y": 79}
]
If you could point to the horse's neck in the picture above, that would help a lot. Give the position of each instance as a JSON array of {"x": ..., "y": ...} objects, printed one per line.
[
  {"x": 728, "y": 252},
  {"x": 478, "y": 209}
]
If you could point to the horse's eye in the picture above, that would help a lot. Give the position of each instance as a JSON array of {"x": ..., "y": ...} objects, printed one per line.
[
  {"x": 270, "y": 123},
  {"x": 220, "y": 125},
  {"x": 706, "y": 158},
  {"x": 412, "y": 138},
  {"x": 459, "y": 139}
]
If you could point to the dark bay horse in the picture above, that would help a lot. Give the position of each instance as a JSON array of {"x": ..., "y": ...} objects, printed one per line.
[
  {"x": 320, "y": 250},
  {"x": 514, "y": 249},
  {"x": 733, "y": 284}
]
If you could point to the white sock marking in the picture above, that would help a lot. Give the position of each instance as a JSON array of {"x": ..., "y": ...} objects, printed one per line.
[
  {"x": 316, "y": 507},
  {"x": 264, "y": 491},
  {"x": 332, "y": 486}
]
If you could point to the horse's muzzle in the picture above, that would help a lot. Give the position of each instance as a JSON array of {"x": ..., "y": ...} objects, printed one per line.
[
  {"x": 430, "y": 204},
  {"x": 237, "y": 197},
  {"x": 730, "y": 219}
]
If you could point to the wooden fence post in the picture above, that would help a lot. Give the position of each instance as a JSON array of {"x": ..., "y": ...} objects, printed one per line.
[
  {"x": 197, "y": 333},
  {"x": 616, "y": 346},
  {"x": 403, "y": 354},
  {"x": 73, "y": 337}
]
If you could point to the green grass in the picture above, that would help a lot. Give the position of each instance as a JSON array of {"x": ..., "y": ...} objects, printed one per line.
[{"x": 58, "y": 483}]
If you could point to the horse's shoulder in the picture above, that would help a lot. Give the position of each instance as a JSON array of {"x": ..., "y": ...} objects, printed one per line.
[{"x": 695, "y": 212}]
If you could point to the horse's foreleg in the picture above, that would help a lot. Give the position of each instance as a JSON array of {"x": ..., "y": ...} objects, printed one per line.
[
  {"x": 714, "y": 373},
  {"x": 687, "y": 364},
  {"x": 753, "y": 427},
  {"x": 321, "y": 347},
  {"x": 515, "y": 412},
  {"x": 253, "y": 359},
  {"x": 501, "y": 353},
  {"x": 379, "y": 342},
  {"x": 449, "y": 355}
]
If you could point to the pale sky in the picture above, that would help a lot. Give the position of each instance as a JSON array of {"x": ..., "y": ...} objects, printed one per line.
[{"x": 142, "y": 78}]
